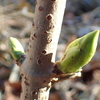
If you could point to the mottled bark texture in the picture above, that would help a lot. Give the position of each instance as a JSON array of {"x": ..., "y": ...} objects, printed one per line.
[{"x": 36, "y": 70}]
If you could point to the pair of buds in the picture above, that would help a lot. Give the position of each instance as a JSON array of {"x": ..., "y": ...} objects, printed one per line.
[{"x": 78, "y": 53}]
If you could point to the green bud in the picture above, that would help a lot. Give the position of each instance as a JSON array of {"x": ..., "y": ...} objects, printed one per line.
[
  {"x": 79, "y": 53},
  {"x": 16, "y": 48}
]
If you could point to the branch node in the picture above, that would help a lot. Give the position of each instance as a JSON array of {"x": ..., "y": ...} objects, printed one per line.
[{"x": 20, "y": 60}]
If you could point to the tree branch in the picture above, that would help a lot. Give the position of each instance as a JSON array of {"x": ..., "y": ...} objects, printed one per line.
[{"x": 36, "y": 70}]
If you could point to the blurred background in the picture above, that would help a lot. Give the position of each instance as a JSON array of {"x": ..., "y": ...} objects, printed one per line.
[{"x": 80, "y": 18}]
